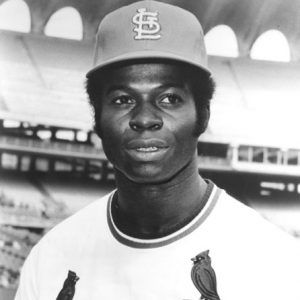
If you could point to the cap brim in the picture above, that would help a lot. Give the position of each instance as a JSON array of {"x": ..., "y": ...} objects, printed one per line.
[{"x": 147, "y": 55}]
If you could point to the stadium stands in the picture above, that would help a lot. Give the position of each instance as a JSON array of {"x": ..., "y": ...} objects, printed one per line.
[
  {"x": 25, "y": 194},
  {"x": 15, "y": 245},
  {"x": 75, "y": 192},
  {"x": 50, "y": 148},
  {"x": 23, "y": 202},
  {"x": 45, "y": 197},
  {"x": 256, "y": 95}
]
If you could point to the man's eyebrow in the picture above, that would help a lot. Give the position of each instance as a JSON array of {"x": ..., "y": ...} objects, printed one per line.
[
  {"x": 116, "y": 88},
  {"x": 172, "y": 85},
  {"x": 158, "y": 87}
]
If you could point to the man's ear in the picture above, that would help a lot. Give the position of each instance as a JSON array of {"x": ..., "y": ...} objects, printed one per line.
[
  {"x": 206, "y": 117},
  {"x": 203, "y": 120},
  {"x": 97, "y": 126}
]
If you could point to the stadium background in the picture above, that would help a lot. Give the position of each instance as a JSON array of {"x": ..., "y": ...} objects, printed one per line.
[{"x": 51, "y": 162}]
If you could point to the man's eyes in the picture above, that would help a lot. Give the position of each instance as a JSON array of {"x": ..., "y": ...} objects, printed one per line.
[
  {"x": 123, "y": 100},
  {"x": 170, "y": 99}
]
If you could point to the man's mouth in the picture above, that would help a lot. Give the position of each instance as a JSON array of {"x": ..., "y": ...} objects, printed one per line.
[
  {"x": 147, "y": 149},
  {"x": 146, "y": 145}
]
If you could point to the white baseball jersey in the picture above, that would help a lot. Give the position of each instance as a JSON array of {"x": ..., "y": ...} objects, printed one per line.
[{"x": 252, "y": 259}]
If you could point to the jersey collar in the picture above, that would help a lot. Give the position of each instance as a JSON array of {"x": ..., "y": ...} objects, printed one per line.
[{"x": 212, "y": 194}]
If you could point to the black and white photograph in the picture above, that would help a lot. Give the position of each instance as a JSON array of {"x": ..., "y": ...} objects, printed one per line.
[{"x": 149, "y": 150}]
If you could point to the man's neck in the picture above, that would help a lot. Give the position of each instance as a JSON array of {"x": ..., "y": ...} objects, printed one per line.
[{"x": 155, "y": 210}]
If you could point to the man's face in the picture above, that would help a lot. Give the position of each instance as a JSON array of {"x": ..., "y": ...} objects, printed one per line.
[{"x": 148, "y": 120}]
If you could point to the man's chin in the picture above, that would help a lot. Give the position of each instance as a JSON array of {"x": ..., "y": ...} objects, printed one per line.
[{"x": 146, "y": 175}]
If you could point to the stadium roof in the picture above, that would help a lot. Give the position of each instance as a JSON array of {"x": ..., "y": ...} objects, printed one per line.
[
  {"x": 42, "y": 81},
  {"x": 248, "y": 19}
]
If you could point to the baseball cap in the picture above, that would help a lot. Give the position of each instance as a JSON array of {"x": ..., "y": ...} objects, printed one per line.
[{"x": 149, "y": 30}]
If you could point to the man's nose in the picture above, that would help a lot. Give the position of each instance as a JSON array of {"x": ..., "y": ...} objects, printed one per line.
[{"x": 145, "y": 117}]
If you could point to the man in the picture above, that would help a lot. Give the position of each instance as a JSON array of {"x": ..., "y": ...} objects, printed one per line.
[{"x": 150, "y": 91}]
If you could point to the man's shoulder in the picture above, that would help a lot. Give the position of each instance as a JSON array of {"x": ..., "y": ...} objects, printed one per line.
[
  {"x": 255, "y": 247},
  {"x": 79, "y": 224},
  {"x": 237, "y": 211},
  {"x": 247, "y": 223}
]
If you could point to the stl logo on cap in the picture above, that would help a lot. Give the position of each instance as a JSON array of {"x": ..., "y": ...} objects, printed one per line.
[{"x": 147, "y": 26}]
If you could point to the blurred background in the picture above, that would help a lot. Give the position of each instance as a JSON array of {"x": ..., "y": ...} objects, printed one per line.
[{"x": 51, "y": 161}]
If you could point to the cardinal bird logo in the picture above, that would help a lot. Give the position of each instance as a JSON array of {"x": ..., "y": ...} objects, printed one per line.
[
  {"x": 68, "y": 290},
  {"x": 204, "y": 276}
]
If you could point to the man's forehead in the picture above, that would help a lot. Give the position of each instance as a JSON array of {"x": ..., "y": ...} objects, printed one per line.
[
  {"x": 144, "y": 68},
  {"x": 132, "y": 86},
  {"x": 157, "y": 74}
]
